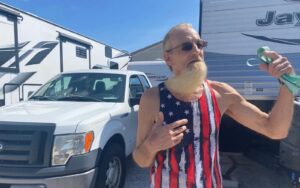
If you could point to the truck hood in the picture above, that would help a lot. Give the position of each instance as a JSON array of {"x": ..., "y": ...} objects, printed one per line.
[{"x": 60, "y": 113}]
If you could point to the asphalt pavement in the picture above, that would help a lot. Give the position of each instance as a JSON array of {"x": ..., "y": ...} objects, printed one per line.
[{"x": 238, "y": 172}]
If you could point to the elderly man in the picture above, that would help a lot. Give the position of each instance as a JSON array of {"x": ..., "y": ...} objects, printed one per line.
[{"x": 179, "y": 120}]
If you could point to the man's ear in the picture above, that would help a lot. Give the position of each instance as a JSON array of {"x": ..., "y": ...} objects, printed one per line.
[{"x": 168, "y": 61}]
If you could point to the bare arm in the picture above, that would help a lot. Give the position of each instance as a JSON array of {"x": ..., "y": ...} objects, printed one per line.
[
  {"x": 143, "y": 155},
  {"x": 275, "y": 124}
]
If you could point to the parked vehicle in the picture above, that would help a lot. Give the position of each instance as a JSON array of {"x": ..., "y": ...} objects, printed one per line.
[
  {"x": 156, "y": 71},
  {"x": 75, "y": 131},
  {"x": 235, "y": 30},
  {"x": 32, "y": 50}
]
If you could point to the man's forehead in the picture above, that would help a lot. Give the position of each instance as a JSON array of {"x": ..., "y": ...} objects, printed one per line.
[
  {"x": 181, "y": 35},
  {"x": 185, "y": 30}
]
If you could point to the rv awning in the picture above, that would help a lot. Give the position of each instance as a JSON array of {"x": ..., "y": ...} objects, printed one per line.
[
  {"x": 10, "y": 12},
  {"x": 74, "y": 39}
]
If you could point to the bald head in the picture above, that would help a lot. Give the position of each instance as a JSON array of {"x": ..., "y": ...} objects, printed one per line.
[{"x": 173, "y": 31}]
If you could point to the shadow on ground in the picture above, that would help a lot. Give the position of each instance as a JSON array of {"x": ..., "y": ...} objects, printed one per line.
[{"x": 252, "y": 170}]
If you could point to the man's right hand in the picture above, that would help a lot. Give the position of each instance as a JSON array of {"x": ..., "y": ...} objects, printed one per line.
[{"x": 162, "y": 137}]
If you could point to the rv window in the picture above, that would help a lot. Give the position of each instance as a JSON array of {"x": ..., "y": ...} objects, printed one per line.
[
  {"x": 81, "y": 52},
  {"x": 108, "y": 52}
]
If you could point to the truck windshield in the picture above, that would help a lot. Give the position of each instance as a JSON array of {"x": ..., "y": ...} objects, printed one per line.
[{"x": 99, "y": 87}]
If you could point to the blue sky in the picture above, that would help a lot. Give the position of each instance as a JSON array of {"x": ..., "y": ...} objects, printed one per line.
[{"x": 126, "y": 25}]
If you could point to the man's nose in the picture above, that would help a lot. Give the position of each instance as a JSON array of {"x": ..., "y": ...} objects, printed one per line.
[{"x": 196, "y": 50}]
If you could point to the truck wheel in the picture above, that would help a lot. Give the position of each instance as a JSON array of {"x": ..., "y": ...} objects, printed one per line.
[{"x": 112, "y": 167}]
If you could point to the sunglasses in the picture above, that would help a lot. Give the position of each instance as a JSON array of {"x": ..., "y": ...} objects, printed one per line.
[{"x": 188, "y": 46}]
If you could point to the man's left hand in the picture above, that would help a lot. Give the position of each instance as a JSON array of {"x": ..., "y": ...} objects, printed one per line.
[{"x": 280, "y": 65}]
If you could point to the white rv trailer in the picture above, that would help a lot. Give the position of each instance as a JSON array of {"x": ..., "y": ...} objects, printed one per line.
[
  {"x": 156, "y": 71},
  {"x": 32, "y": 50},
  {"x": 235, "y": 29}
]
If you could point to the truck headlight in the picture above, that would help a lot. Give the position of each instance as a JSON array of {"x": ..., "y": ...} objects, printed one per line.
[{"x": 66, "y": 146}]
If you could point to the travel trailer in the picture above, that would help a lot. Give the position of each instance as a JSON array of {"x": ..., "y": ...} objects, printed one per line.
[
  {"x": 32, "y": 50},
  {"x": 234, "y": 30}
]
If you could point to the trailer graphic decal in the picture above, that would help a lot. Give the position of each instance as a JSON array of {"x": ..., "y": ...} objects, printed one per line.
[
  {"x": 7, "y": 52},
  {"x": 276, "y": 40},
  {"x": 279, "y": 19},
  {"x": 38, "y": 52},
  {"x": 42, "y": 49}
]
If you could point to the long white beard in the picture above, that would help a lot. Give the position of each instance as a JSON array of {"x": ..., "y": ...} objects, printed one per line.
[{"x": 188, "y": 81}]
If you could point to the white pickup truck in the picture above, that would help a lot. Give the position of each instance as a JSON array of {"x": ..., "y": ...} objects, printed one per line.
[{"x": 74, "y": 132}]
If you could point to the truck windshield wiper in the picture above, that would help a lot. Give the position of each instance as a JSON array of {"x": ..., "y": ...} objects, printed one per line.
[
  {"x": 41, "y": 98},
  {"x": 78, "y": 98}
]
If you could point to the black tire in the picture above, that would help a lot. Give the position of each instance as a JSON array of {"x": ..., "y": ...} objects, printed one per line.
[{"x": 112, "y": 167}]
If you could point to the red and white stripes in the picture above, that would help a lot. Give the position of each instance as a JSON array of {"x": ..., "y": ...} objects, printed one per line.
[{"x": 195, "y": 164}]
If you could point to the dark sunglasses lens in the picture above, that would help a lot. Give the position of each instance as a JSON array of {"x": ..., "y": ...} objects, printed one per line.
[
  {"x": 201, "y": 44},
  {"x": 187, "y": 46}
]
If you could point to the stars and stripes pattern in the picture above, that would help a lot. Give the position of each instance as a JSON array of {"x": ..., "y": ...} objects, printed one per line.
[{"x": 194, "y": 163}]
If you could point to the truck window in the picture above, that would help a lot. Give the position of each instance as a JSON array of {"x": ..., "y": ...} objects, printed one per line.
[
  {"x": 111, "y": 87},
  {"x": 136, "y": 87},
  {"x": 144, "y": 82},
  {"x": 85, "y": 86},
  {"x": 57, "y": 87},
  {"x": 62, "y": 84}
]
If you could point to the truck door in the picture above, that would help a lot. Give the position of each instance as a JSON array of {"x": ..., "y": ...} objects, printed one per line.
[{"x": 136, "y": 88}]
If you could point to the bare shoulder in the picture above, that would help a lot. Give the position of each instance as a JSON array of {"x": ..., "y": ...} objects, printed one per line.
[
  {"x": 149, "y": 108},
  {"x": 226, "y": 95},
  {"x": 222, "y": 88},
  {"x": 149, "y": 104},
  {"x": 150, "y": 96}
]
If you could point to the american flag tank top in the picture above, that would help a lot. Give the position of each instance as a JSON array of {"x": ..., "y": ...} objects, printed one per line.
[{"x": 193, "y": 163}]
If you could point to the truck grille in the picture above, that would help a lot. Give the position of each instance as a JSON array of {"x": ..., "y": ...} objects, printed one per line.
[{"x": 25, "y": 144}]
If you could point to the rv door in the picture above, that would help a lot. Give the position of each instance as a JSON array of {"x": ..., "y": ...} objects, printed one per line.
[{"x": 75, "y": 53}]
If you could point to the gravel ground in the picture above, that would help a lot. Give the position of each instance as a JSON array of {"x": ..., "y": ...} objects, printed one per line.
[{"x": 243, "y": 171}]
